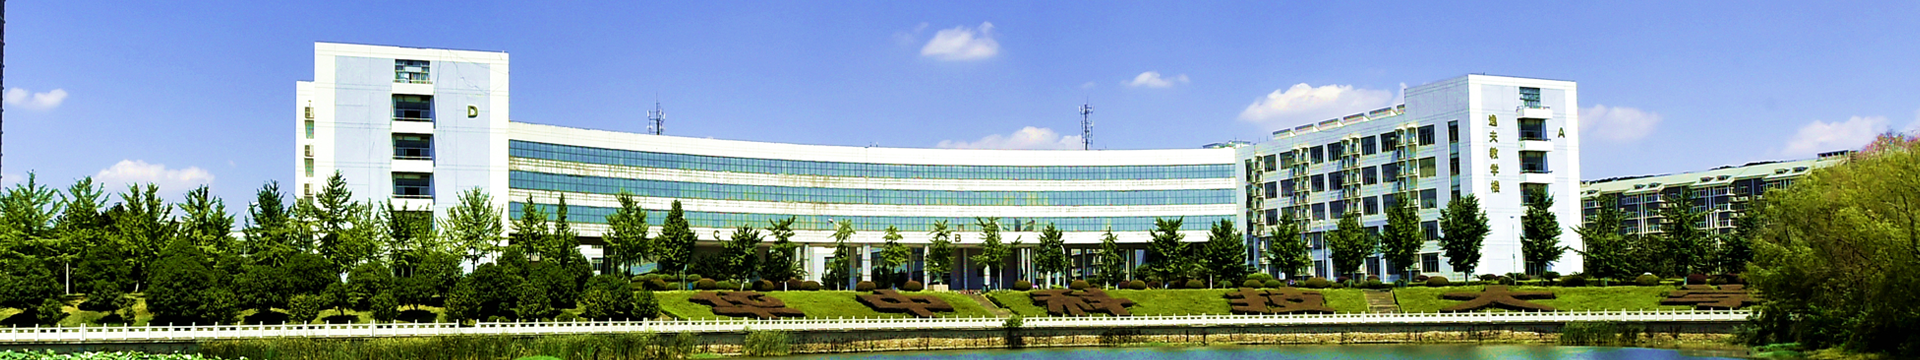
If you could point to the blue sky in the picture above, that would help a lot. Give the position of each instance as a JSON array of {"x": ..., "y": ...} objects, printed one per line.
[{"x": 202, "y": 92}]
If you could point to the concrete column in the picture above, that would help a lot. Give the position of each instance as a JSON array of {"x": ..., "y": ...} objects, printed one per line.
[{"x": 866, "y": 263}]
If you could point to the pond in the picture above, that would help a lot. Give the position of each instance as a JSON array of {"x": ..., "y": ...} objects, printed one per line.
[{"x": 1306, "y": 352}]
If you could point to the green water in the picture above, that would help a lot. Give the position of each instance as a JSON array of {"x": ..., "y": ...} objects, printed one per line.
[{"x": 1302, "y": 352}]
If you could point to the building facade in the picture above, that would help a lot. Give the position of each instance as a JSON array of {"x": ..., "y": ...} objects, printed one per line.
[
  {"x": 1722, "y": 193},
  {"x": 1492, "y": 137},
  {"x": 415, "y": 127}
]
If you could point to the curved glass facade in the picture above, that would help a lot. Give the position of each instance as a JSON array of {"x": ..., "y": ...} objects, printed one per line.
[
  {"x": 694, "y": 190},
  {"x": 591, "y": 155},
  {"x": 906, "y": 224}
]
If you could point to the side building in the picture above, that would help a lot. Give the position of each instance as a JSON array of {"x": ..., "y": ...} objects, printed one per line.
[
  {"x": 1721, "y": 193},
  {"x": 1493, "y": 137}
]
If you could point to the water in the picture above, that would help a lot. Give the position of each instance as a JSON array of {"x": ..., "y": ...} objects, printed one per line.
[{"x": 1299, "y": 352}]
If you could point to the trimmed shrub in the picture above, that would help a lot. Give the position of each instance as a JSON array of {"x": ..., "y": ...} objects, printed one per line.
[
  {"x": 1273, "y": 284},
  {"x": 1251, "y": 283},
  {"x": 765, "y": 286},
  {"x": 1373, "y": 277},
  {"x": 1318, "y": 283},
  {"x": 1079, "y": 285},
  {"x": 1023, "y": 285},
  {"x": 1421, "y": 278},
  {"x": 810, "y": 285},
  {"x": 1504, "y": 280},
  {"x": 1154, "y": 284},
  {"x": 727, "y": 285},
  {"x": 1137, "y": 285},
  {"x": 863, "y": 286},
  {"x": 1437, "y": 281},
  {"x": 1646, "y": 280},
  {"x": 1729, "y": 279},
  {"x": 1196, "y": 284},
  {"x": 1550, "y": 275},
  {"x": 1263, "y": 277},
  {"x": 1341, "y": 279},
  {"x": 1696, "y": 279},
  {"x": 1373, "y": 284},
  {"x": 1573, "y": 281},
  {"x": 1488, "y": 277},
  {"x": 706, "y": 284},
  {"x": 912, "y": 285},
  {"x": 796, "y": 285}
]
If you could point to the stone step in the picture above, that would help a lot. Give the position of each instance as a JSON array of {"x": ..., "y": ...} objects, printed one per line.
[
  {"x": 1381, "y": 301},
  {"x": 988, "y": 304}
]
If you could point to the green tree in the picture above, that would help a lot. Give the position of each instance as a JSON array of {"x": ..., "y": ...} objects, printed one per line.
[
  {"x": 1608, "y": 254},
  {"x": 1051, "y": 257},
  {"x": 533, "y": 304},
  {"x": 367, "y": 280},
  {"x": 142, "y": 225},
  {"x": 628, "y": 242},
  {"x": 1737, "y": 248},
  {"x": 607, "y": 298},
  {"x": 473, "y": 225},
  {"x": 334, "y": 214},
  {"x": 1286, "y": 250},
  {"x": 742, "y": 254},
  {"x": 839, "y": 269},
  {"x": 893, "y": 255},
  {"x": 80, "y": 227},
  {"x": 1226, "y": 254},
  {"x": 1113, "y": 260},
  {"x": 1540, "y": 233},
  {"x": 993, "y": 252},
  {"x": 434, "y": 276},
  {"x": 1350, "y": 244},
  {"x": 384, "y": 306},
  {"x": 187, "y": 290},
  {"x": 1463, "y": 230},
  {"x": 674, "y": 247},
  {"x": 570, "y": 269},
  {"x": 1164, "y": 253},
  {"x": 780, "y": 264},
  {"x": 1400, "y": 241},
  {"x": 205, "y": 222},
  {"x": 410, "y": 235},
  {"x": 1836, "y": 253},
  {"x": 939, "y": 253},
  {"x": 270, "y": 235},
  {"x": 1684, "y": 245},
  {"x": 530, "y": 231},
  {"x": 645, "y": 305}
]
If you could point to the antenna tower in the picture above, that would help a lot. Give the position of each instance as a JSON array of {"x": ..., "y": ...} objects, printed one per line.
[
  {"x": 1086, "y": 127},
  {"x": 659, "y": 118}
]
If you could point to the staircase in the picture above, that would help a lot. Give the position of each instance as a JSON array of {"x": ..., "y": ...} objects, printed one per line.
[
  {"x": 1381, "y": 301},
  {"x": 988, "y": 304}
]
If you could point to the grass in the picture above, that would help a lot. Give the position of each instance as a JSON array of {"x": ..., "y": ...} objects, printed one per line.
[
  {"x": 1425, "y": 299},
  {"x": 818, "y": 304},
  {"x": 1178, "y": 301}
]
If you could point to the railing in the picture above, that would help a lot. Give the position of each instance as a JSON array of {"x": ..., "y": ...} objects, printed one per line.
[{"x": 174, "y": 333}]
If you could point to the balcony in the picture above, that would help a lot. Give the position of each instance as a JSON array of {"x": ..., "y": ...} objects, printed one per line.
[{"x": 1535, "y": 112}]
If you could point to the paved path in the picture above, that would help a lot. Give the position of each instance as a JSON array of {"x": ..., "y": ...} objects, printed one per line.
[
  {"x": 1381, "y": 301},
  {"x": 988, "y": 304}
]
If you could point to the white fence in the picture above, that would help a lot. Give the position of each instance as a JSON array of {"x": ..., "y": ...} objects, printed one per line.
[{"x": 185, "y": 333}]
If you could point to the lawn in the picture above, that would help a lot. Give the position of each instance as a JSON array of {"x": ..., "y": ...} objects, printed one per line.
[
  {"x": 1178, "y": 301},
  {"x": 818, "y": 304},
  {"x": 1425, "y": 299}
]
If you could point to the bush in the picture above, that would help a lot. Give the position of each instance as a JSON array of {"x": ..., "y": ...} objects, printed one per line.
[
  {"x": 1401, "y": 282},
  {"x": 1730, "y": 279},
  {"x": 810, "y": 285},
  {"x": 1437, "y": 281},
  {"x": 1196, "y": 284},
  {"x": 764, "y": 286},
  {"x": 1696, "y": 279},
  {"x": 1488, "y": 277},
  {"x": 1023, "y": 285},
  {"x": 706, "y": 284},
  {"x": 645, "y": 306},
  {"x": 1154, "y": 284},
  {"x": 796, "y": 285},
  {"x": 385, "y": 306},
  {"x": 1573, "y": 281},
  {"x": 863, "y": 286},
  {"x": 1137, "y": 285},
  {"x": 1318, "y": 283},
  {"x": 1251, "y": 283},
  {"x": 656, "y": 284},
  {"x": 727, "y": 285},
  {"x": 1373, "y": 277},
  {"x": 1273, "y": 284},
  {"x": 1373, "y": 283},
  {"x": 912, "y": 285},
  {"x": 1646, "y": 280},
  {"x": 1079, "y": 285},
  {"x": 1263, "y": 277},
  {"x": 1421, "y": 278},
  {"x": 304, "y": 308},
  {"x": 1550, "y": 275},
  {"x": 1504, "y": 280}
]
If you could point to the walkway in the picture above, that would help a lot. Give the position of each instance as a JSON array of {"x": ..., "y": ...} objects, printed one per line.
[
  {"x": 1381, "y": 301},
  {"x": 989, "y": 305}
]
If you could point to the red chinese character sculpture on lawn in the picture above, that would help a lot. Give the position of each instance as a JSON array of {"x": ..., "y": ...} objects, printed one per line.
[
  {"x": 893, "y": 301},
  {"x": 1498, "y": 297},
  {"x": 745, "y": 303},
  {"x": 1277, "y": 301},
  {"x": 1080, "y": 302},
  {"x": 1705, "y": 297}
]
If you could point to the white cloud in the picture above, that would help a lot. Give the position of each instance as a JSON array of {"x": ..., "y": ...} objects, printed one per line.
[
  {"x": 1088, "y": 85},
  {"x": 1821, "y": 136},
  {"x": 1152, "y": 79},
  {"x": 1028, "y": 138},
  {"x": 24, "y": 99},
  {"x": 140, "y": 172},
  {"x": 961, "y": 44},
  {"x": 1303, "y": 103},
  {"x": 907, "y": 38},
  {"x": 1618, "y": 123}
]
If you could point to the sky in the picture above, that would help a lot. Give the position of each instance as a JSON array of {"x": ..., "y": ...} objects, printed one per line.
[{"x": 185, "y": 94}]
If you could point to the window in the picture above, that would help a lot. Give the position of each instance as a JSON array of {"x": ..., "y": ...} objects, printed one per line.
[
  {"x": 413, "y": 185},
  {"x": 1453, "y": 132},
  {"x": 1453, "y": 166},
  {"x": 412, "y": 71},
  {"x": 1530, "y": 97},
  {"x": 1530, "y": 188},
  {"x": 309, "y": 167},
  {"x": 1336, "y": 181},
  {"x": 1337, "y": 207},
  {"x": 1428, "y": 200},
  {"x": 1389, "y": 201},
  {"x": 1533, "y": 129},
  {"x": 1390, "y": 171},
  {"x": 1286, "y": 160},
  {"x": 413, "y": 107},
  {"x": 1273, "y": 216},
  {"x": 1533, "y": 162},
  {"x": 1272, "y": 189},
  {"x": 1319, "y": 182},
  {"x": 1319, "y": 211},
  {"x": 308, "y": 151},
  {"x": 306, "y": 190},
  {"x": 1430, "y": 262},
  {"x": 1319, "y": 154},
  {"x": 412, "y": 147},
  {"x": 1367, "y": 146},
  {"x": 1286, "y": 187},
  {"x": 1389, "y": 141},
  {"x": 1336, "y": 150},
  {"x": 309, "y": 129},
  {"x": 1369, "y": 175},
  {"x": 1426, "y": 135},
  {"x": 1268, "y": 162},
  {"x": 1426, "y": 167},
  {"x": 1431, "y": 229},
  {"x": 1371, "y": 205}
]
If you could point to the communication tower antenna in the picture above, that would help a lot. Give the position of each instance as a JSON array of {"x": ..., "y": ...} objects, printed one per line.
[
  {"x": 1086, "y": 127},
  {"x": 659, "y": 118}
]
